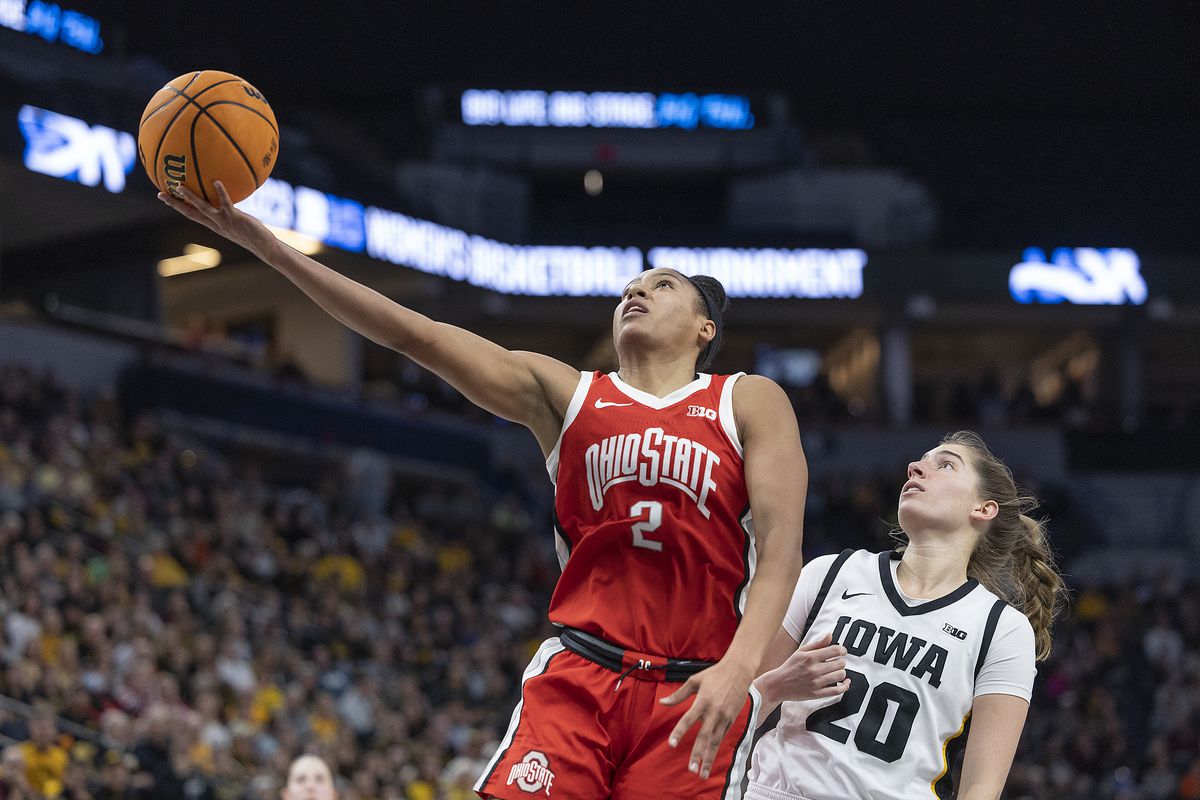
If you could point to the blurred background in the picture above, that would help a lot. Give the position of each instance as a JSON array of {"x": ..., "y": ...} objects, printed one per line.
[{"x": 234, "y": 531}]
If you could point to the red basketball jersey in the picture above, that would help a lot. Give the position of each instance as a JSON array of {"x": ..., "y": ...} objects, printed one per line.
[{"x": 652, "y": 517}]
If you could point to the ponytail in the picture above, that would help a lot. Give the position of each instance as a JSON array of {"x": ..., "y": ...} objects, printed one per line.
[
  {"x": 1013, "y": 558},
  {"x": 1038, "y": 588}
]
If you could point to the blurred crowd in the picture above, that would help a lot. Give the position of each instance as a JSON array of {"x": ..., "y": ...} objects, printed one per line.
[{"x": 176, "y": 624}]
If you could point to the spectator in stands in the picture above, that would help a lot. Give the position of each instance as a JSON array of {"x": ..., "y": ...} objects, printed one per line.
[
  {"x": 309, "y": 778},
  {"x": 14, "y": 785},
  {"x": 45, "y": 761},
  {"x": 187, "y": 581}
]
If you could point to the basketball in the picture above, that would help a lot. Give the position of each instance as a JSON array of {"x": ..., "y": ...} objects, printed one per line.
[{"x": 205, "y": 126}]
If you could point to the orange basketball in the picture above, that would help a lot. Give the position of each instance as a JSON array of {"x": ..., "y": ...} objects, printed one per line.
[{"x": 205, "y": 126}]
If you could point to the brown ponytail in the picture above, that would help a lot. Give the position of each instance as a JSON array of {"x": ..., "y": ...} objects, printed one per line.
[{"x": 1013, "y": 558}]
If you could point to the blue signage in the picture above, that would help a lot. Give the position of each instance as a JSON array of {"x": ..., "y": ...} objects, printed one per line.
[
  {"x": 539, "y": 109},
  {"x": 53, "y": 23},
  {"x": 69, "y": 148},
  {"x": 66, "y": 147},
  {"x": 1080, "y": 275}
]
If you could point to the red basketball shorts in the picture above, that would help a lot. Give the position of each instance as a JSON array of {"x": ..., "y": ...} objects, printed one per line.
[{"x": 576, "y": 736}]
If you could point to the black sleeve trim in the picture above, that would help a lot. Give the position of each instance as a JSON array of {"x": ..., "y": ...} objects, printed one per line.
[
  {"x": 988, "y": 632},
  {"x": 826, "y": 585}
]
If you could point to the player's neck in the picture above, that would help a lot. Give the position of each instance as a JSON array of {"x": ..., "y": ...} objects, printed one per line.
[
  {"x": 932, "y": 569},
  {"x": 657, "y": 376}
]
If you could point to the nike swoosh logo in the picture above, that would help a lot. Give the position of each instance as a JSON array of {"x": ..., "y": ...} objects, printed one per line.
[
  {"x": 856, "y": 594},
  {"x": 606, "y": 404}
]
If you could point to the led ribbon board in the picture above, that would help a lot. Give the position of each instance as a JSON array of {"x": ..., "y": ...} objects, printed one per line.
[
  {"x": 812, "y": 273},
  {"x": 1080, "y": 275},
  {"x": 538, "y": 109},
  {"x": 53, "y": 23},
  {"x": 69, "y": 148}
]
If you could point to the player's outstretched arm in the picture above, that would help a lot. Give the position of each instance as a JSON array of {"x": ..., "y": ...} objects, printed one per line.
[
  {"x": 996, "y": 723},
  {"x": 777, "y": 479},
  {"x": 528, "y": 388}
]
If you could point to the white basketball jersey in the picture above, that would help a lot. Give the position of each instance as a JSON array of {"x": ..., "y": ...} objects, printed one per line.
[{"x": 898, "y": 730}]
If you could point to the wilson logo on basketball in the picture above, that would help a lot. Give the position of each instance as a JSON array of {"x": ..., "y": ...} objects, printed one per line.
[
  {"x": 532, "y": 774},
  {"x": 175, "y": 170}
]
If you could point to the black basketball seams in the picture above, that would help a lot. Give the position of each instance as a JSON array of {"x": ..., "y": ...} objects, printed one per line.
[
  {"x": 232, "y": 141},
  {"x": 178, "y": 93},
  {"x": 251, "y": 109},
  {"x": 202, "y": 110},
  {"x": 196, "y": 159}
]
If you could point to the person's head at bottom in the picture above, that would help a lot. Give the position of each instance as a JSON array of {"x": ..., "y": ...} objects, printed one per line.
[{"x": 309, "y": 778}]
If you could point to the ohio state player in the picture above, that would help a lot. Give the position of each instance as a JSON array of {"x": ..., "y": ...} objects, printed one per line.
[{"x": 657, "y": 470}]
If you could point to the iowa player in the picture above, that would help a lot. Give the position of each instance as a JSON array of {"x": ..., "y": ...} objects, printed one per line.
[
  {"x": 885, "y": 661},
  {"x": 657, "y": 467}
]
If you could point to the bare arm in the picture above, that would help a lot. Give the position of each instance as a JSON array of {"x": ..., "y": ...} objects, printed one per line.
[
  {"x": 528, "y": 388},
  {"x": 996, "y": 723},
  {"x": 777, "y": 478}
]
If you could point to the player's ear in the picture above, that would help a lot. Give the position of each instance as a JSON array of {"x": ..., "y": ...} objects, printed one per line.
[
  {"x": 985, "y": 511},
  {"x": 707, "y": 331}
]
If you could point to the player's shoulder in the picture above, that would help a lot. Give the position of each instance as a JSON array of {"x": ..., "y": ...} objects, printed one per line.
[
  {"x": 752, "y": 387},
  {"x": 822, "y": 565},
  {"x": 1011, "y": 620}
]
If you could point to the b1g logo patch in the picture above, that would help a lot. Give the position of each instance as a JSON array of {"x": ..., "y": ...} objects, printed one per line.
[
  {"x": 701, "y": 411},
  {"x": 955, "y": 632},
  {"x": 533, "y": 773}
]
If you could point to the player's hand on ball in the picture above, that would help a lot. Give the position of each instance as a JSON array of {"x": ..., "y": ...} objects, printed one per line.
[
  {"x": 816, "y": 669},
  {"x": 229, "y": 221},
  {"x": 721, "y": 692}
]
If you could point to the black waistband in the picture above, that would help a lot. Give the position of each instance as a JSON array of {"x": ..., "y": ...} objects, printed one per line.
[{"x": 612, "y": 657}]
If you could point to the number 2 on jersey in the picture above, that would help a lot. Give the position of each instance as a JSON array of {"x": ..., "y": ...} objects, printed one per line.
[{"x": 652, "y": 510}]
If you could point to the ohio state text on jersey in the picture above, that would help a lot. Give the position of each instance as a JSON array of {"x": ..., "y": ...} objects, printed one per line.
[{"x": 652, "y": 517}]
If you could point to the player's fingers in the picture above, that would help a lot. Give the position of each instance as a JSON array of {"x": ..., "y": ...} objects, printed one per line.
[
  {"x": 681, "y": 727},
  {"x": 837, "y": 676},
  {"x": 679, "y": 695},
  {"x": 824, "y": 641},
  {"x": 192, "y": 199},
  {"x": 828, "y": 653},
  {"x": 708, "y": 741},
  {"x": 183, "y": 208},
  {"x": 833, "y": 691},
  {"x": 226, "y": 203}
]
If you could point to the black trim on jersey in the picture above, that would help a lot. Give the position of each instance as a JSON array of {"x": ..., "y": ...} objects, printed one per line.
[
  {"x": 768, "y": 724},
  {"x": 516, "y": 728},
  {"x": 826, "y": 585},
  {"x": 903, "y": 608},
  {"x": 558, "y": 528},
  {"x": 955, "y": 747},
  {"x": 737, "y": 593},
  {"x": 988, "y": 632},
  {"x": 737, "y": 745}
]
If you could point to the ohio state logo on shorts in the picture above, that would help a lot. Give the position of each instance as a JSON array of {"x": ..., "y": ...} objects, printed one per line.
[{"x": 533, "y": 773}]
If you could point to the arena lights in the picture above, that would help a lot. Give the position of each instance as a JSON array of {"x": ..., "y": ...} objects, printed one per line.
[
  {"x": 65, "y": 147},
  {"x": 195, "y": 257},
  {"x": 769, "y": 272},
  {"x": 53, "y": 23},
  {"x": 1080, "y": 275},
  {"x": 306, "y": 218},
  {"x": 540, "y": 109}
]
